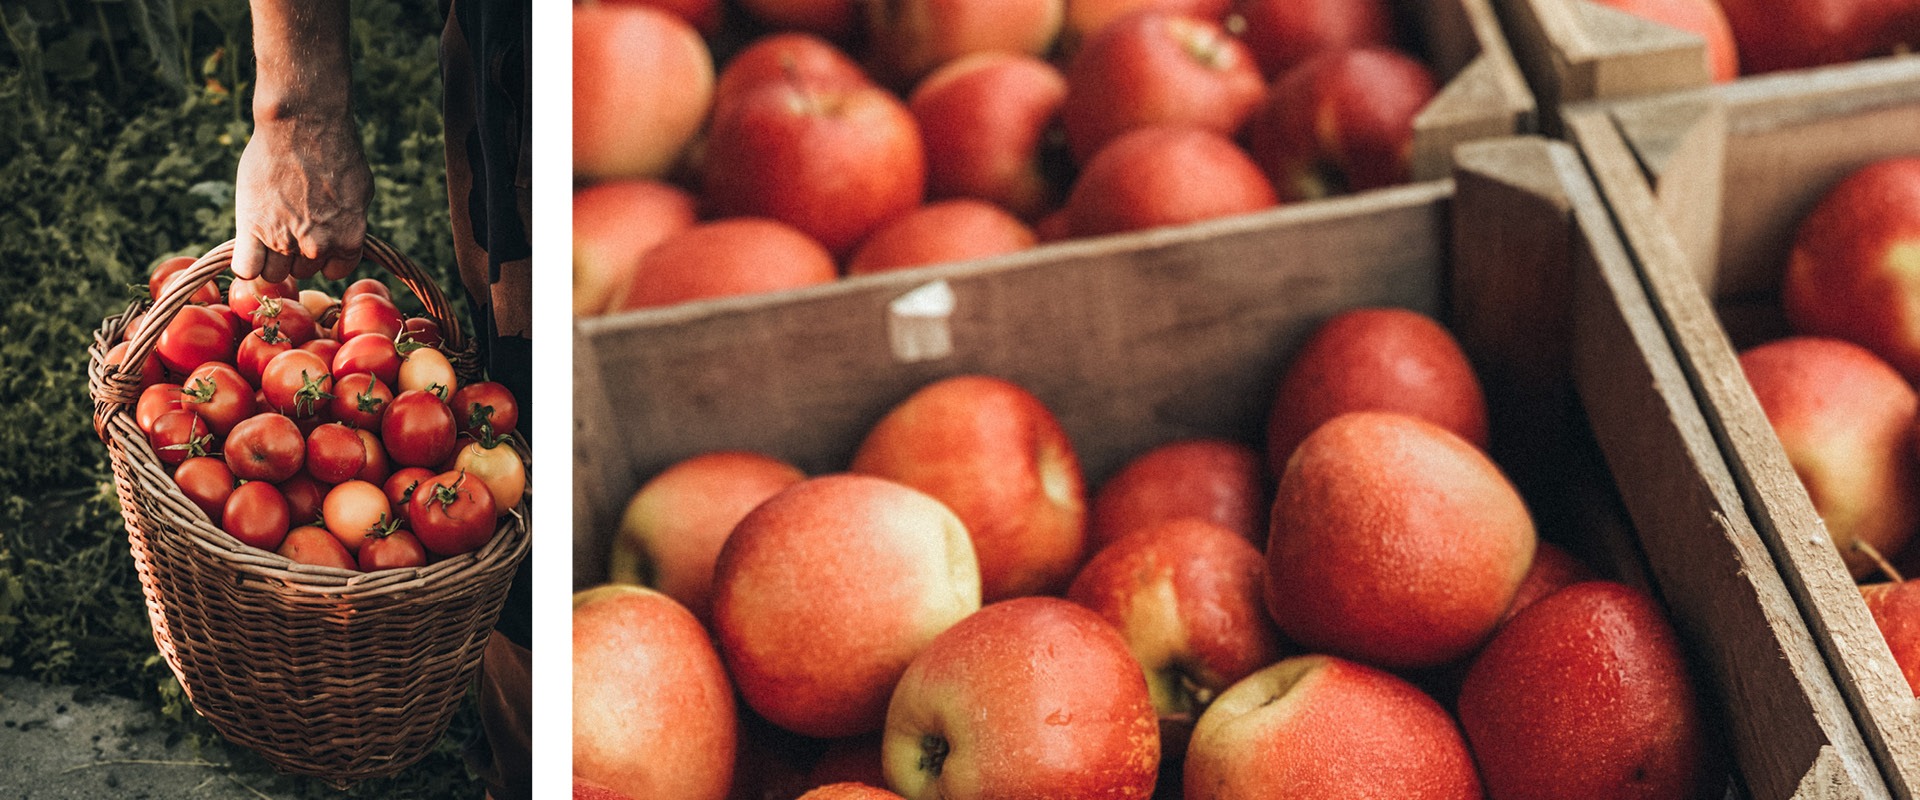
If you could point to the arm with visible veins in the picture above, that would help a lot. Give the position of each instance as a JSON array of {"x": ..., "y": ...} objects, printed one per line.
[{"x": 301, "y": 192}]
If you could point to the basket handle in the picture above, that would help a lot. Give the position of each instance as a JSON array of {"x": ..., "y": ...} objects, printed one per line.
[{"x": 119, "y": 383}]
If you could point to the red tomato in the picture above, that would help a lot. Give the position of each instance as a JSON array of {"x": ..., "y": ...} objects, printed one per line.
[
  {"x": 335, "y": 453},
  {"x": 219, "y": 395},
  {"x": 367, "y": 313},
  {"x": 485, "y": 403},
  {"x": 499, "y": 467},
  {"x": 179, "y": 435},
  {"x": 326, "y": 349},
  {"x": 155, "y": 400},
  {"x": 258, "y": 348},
  {"x": 294, "y": 321},
  {"x": 378, "y": 466},
  {"x": 256, "y": 514},
  {"x": 197, "y": 335},
  {"x": 266, "y": 447},
  {"x": 164, "y": 272},
  {"x": 207, "y": 482},
  {"x": 355, "y": 509},
  {"x": 304, "y": 496},
  {"x": 236, "y": 323},
  {"x": 151, "y": 370},
  {"x": 400, "y": 486},
  {"x": 418, "y": 430},
  {"x": 396, "y": 550},
  {"x": 422, "y": 330},
  {"x": 244, "y": 295},
  {"x": 371, "y": 354},
  {"x": 366, "y": 286},
  {"x": 298, "y": 383},
  {"x": 452, "y": 513},
  {"x": 317, "y": 303},
  {"x": 359, "y": 399},
  {"x": 310, "y": 545},
  {"x": 428, "y": 370}
]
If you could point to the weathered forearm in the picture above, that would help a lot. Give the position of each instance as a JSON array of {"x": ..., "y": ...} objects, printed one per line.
[{"x": 301, "y": 49}]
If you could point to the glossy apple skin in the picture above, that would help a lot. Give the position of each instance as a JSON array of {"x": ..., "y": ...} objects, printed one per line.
[
  {"x": 703, "y": 15},
  {"x": 1086, "y": 19},
  {"x": 1852, "y": 271},
  {"x": 913, "y": 37},
  {"x": 1031, "y": 697},
  {"x": 1394, "y": 543},
  {"x": 826, "y": 591},
  {"x": 1852, "y": 448},
  {"x": 939, "y": 233},
  {"x": 1340, "y": 122},
  {"x": 984, "y": 121},
  {"x": 624, "y": 128},
  {"x": 737, "y": 256},
  {"x": 784, "y": 56},
  {"x": 1284, "y": 33},
  {"x": 1209, "y": 479},
  {"x": 614, "y": 224},
  {"x": 1552, "y": 571},
  {"x": 673, "y": 527},
  {"x": 584, "y": 789},
  {"x": 653, "y": 712},
  {"x": 993, "y": 453},
  {"x": 1585, "y": 694},
  {"x": 1159, "y": 176},
  {"x": 1157, "y": 68},
  {"x": 1318, "y": 727},
  {"x": 1702, "y": 18},
  {"x": 849, "y": 791},
  {"x": 1896, "y": 612},
  {"x": 834, "y": 161},
  {"x": 1376, "y": 359},
  {"x": 1810, "y": 33},
  {"x": 1186, "y": 595}
]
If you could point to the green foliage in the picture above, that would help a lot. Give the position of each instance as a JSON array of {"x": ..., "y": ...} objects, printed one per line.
[{"x": 121, "y": 122}]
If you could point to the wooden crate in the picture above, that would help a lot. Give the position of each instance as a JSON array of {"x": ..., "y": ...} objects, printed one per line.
[
  {"x": 1707, "y": 188},
  {"x": 1140, "y": 339},
  {"x": 1483, "y": 92},
  {"x": 1574, "y": 51}
]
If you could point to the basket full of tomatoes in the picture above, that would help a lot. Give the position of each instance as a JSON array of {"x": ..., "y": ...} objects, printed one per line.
[{"x": 325, "y": 502}]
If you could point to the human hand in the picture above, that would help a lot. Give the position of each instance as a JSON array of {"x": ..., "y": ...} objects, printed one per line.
[{"x": 300, "y": 199}]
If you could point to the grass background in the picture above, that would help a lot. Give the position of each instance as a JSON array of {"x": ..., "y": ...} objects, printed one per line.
[{"x": 121, "y": 122}]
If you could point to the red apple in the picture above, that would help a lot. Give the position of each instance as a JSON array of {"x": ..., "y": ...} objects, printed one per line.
[
  {"x": 1701, "y": 18},
  {"x": 1158, "y": 176},
  {"x": 827, "y": 590},
  {"x": 1322, "y": 728},
  {"x": 584, "y": 789},
  {"x": 781, "y": 57},
  {"x": 653, "y": 714},
  {"x": 1157, "y": 68},
  {"x": 701, "y": 14},
  {"x": 1845, "y": 420},
  {"x": 1850, "y": 272},
  {"x": 627, "y": 128},
  {"x": 1032, "y": 697},
  {"x": 1087, "y": 18},
  {"x": 1185, "y": 594},
  {"x": 937, "y": 233},
  {"x": 614, "y": 224},
  {"x": 674, "y": 526},
  {"x": 1896, "y": 611},
  {"x": 1809, "y": 33},
  {"x": 1376, "y": 359},
  {"x": 849, "y": 791},
  {"x": 1340, "y": 122},
  {"x": 1552, "y": 571},
  {"x": 913, "y": 37},
  {"x": 996, "y": 456},
  {"x": 735, "y": 256},
  {"x": 984, "y": 120},
  {"x": 1284, "y": 33},
  {"x": 1394, "y": 543},
  {"x": 1585, "y": 694},
  {"x": 832, "y": 160},
  {"x": 1209, "y": 479}
]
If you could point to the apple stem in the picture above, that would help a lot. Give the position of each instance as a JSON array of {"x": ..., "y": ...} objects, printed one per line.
[
  {"x": 1879, "y": 560},
  {"x": 933, "y": 754}
]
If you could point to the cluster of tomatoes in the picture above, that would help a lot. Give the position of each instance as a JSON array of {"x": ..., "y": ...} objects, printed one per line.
[{"x": 331, "y": 431}]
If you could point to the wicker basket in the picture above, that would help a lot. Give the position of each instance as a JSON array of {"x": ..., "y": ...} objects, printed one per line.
[{"x": 334, "y": 674}]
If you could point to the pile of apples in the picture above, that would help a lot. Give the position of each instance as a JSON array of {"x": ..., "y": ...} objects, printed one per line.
[
  {"x": 332, "y": 431},
  {"x": 951, "y": 618},
  {"x": 863, "y": 137},
  {"x": 1750, "y": 37},
  {"x": 1839, "y": 391}
]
